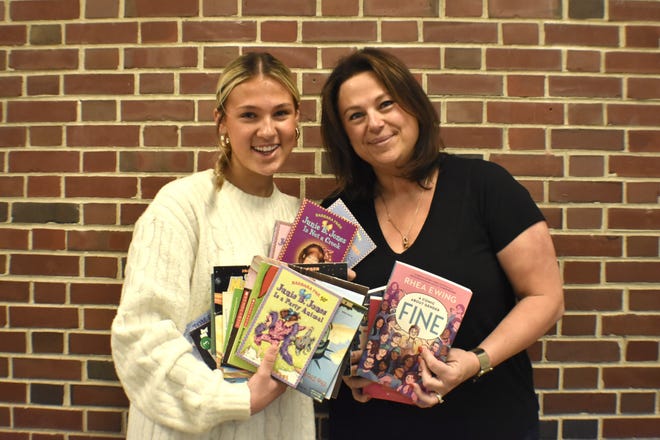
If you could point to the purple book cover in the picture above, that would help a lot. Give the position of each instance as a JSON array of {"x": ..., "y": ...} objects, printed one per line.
[{"x": 318, "y": 236}]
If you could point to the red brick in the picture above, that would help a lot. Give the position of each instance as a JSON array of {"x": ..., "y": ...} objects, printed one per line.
[
  {"x": 642, "y": 36},
  {"x": 523, "y": 59},
  {"x": 581, "y": 35},
  {"x": 633, "y": 114},
  {"x": 214, "y": 8},
  {"x": 587, "y": 166},
  {"x": 13, "y": 342},
  {"x": 99, "y": 161},
  {"x": 100, "y": 214},
  {"x": 44, "y": 10},
  {"x": 220, "y": 31},
  {"x": 100, "y": 187},
  {"x": 520, "y": 33},
  {"x": 43, "y": 85},
  {"x": 465, "y": 84},
  {"x": 642, "y": 351},
  {"x": 96, "y": 395},
  {"x": 637, "y": 402},
  {"x": 642, "y": 246},
  {"x": 101, "y": 59},
  {"x": 642, "y": 192},
  {"x": 11, "y": 87},
  {"x": 464, "y": 112},
  {"x": 463, "y": 8},
  {"x": 635, "y": 166},
  {"x": 588, "y": 245},
  {"x": 631, "y": 325},
  {"x": 644, "y": 140},
  {"x": 644, "y": 88},
  {"x": 629, "y": 10},
  {"x": 98, "y": 111},
  {"x": 40, "y": 161},
  {"x": 587, "y": 139},
  {"x": 14, "y": 291},
  {"x": 51, "y": 59},
  {"x": 295, "y": 57},
  {"x": 158, "y": 161},
  {"x": 48, "y": 239},
  {"x": 526, "y": 138},
  {"x": 459, "y": 32},
  {"x": 41, "y": 111},
  {"x": 101, "y": 8},
  {"x": 631, "y": 377},
  {"x": 157, "y": 83},
  {"x": 581, "y": 272},
  {"x": 583, "y": 351},
  {"x": 160, "y": 57},
  {"x": 291, "y": 7},
  {"x": 462, "y": 58},
  {"x": 399, "y": 31},
  {"x": 630, "y": 218},
  {"x": 111, "y": 241},
  {"x": 163, "y": 8},
  {"x": 42, "y": 368},
  {"x": 525, "y": 85},
  {"x": 546, "y": 378},
  {"x": 44, "y": 186},
  {"x": 471, "y": 137},
  {"x": 41, "y": 418},
  {"x": 586, "y": 192},
  {"x": 98, "y": 319},
  {"x": 36, "y": 264},
  {"x": 299, "y": 163},
  {"x": 101, "y": 33},
  {"x": 13, "y": 35},
  {"x": 525, "y": 112},
  {"x": 524, "y": 9},
  {"x": 631, "y": 427},
  {"x": 50, "y": 293},
  {"x": 339, "y": 31},
  {"x": 11, "y": 186},
  {"x": 99, "y": 294},
  {"x": 161, "y": 110},
  {"x": 583, "y": 61},
  {"x": 394, "y": 8},
  {"x": 43, "y": 317},
  {"x": 218, "y": 57},
  {"x": 632, "y": 62},
  {"x": 580, "y": 378},
  {"x": 159, "y": 32},
  {"x": 571, "y": 403},
  {"x": 89, "y": 343},
  {"x": 101, "y": 267},
  {"x": 585, "y": 114},
  {"x": 530, "y": 165},
  {"x": 632, "y": 272},
  {"x": 584, "y": 218},
  {"x": 279, "y": 31},
  {"x": 99, "y": 84},
  {"x": 105, "y": 421},
  {"x": 581, "y": 325},
  {"x": 14, "y": 238},
  {"x": 155, "y": 136},
  {"x": 584, "y": 86},
  {"x": 103, "y": 135}
]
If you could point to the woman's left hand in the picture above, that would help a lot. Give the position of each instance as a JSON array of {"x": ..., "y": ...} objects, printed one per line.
[{"x": 439, "y": 378}]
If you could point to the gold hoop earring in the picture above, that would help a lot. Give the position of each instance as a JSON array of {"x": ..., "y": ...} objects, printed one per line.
[
  {"x": 297, "y": 133},
  {"x": 224, "y": 141}
]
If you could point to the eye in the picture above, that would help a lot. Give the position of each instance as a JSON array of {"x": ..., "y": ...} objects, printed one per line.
[
  {"x": 282, "y": 114},
  {"x": 386, "y": 103},
  {"x": 247, "y": 115},
  {"x": 355, "y": 115}
]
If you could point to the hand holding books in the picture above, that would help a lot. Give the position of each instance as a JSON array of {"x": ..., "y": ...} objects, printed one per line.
[{"x": 263, "y": 387}]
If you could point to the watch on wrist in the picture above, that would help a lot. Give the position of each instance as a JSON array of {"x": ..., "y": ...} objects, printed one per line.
[{"x": 484, "y": 362}]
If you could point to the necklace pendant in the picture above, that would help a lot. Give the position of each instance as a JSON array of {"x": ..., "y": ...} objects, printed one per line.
[{"x": 405, "y": 242}]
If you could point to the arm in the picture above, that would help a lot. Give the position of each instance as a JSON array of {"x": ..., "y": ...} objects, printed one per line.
[{"x": 530, "y": 264}]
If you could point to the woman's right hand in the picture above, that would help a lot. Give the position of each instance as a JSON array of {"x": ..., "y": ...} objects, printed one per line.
[{"x": 263, "y": 387}]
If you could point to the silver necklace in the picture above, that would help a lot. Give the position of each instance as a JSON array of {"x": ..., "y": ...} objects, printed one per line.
[{"x": 405, "y": 242}]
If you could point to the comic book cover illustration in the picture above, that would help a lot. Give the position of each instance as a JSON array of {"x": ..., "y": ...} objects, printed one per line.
[
  {"x": 280, "y": 232},
  {"x": 317, "y": 235},
  {"x": 418, "y": 309},
  {"x": 294, "y": 313},
  {"x": 362, "y": 244}
]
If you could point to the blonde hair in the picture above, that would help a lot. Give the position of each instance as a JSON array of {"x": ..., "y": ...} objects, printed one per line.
[{"x": 242, "y": 69}]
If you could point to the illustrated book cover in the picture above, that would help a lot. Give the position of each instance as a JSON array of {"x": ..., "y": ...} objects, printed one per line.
[
  {"x": 295, "y": 313},
  {"x": 362, "y": 244},
  {"x": 317, "y": 235},
  {"x": 418, "y": 309},
  {"x": 280, "y": 232},
  {"x": 225, "y": 280}
]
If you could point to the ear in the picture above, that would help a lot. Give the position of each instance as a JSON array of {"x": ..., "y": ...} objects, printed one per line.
[{"x": 219, "y": 120}]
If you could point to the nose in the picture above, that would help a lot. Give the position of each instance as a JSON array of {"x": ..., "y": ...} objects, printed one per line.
[
  {"x": 266, "y": 128},
  {"x": 375, "y": 121}
]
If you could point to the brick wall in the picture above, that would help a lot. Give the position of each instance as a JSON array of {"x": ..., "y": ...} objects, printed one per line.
[{"x": 104, "y": 101}]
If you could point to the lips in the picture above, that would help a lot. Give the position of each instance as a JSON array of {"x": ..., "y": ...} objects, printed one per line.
[{"x": 379, "y": 140}]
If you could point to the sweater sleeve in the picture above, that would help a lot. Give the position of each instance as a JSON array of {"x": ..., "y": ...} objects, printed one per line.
[{"x": 153, "y": 360}]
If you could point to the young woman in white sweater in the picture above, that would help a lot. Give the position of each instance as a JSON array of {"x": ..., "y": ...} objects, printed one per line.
[{"x": 214, "y": 217}]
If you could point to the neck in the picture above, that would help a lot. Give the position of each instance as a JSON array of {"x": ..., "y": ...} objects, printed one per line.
[{"x": 254, "y": 184}]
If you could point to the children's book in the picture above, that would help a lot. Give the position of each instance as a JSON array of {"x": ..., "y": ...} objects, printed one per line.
[
  {"x": 419, "y": 309},
  {"x": 362, "y": 244},
  {"x": 198, "y": 333},
  {"x": 317, "y": 235},
  {"x": 280, "y": 232},
  {"x": 225, "y": 279},
  {"x": 295, "y": 313}
]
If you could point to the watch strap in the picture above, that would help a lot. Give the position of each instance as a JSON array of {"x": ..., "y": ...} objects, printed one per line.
[{"x": 484, "y": 362}]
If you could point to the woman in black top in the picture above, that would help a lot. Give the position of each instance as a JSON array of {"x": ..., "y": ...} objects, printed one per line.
[{"x": 467, "y": 220}]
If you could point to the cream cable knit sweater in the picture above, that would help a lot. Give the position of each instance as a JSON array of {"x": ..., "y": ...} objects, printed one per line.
[{"x": 187, "y": 229}]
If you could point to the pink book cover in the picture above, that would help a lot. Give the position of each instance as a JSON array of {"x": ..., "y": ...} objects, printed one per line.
[
  {"x": 419, "y": 309},
  {"x": 318, "y": 236}
]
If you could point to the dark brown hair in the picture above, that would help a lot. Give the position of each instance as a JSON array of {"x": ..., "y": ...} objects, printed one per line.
[{"x": 355, "y": 176}]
